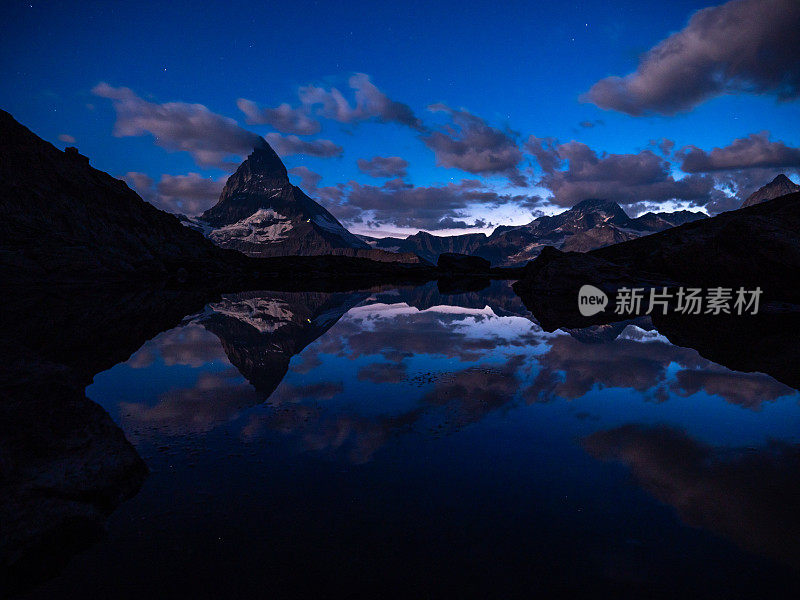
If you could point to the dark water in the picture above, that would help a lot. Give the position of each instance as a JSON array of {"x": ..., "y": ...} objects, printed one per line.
[{"x": 407, "y": 443}]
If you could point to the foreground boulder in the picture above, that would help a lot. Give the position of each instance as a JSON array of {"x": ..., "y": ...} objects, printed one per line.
[{"x": 453, "y": 262}]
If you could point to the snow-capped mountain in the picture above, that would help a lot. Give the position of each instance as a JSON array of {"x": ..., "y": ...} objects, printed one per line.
[
  {"x": 260, "y": 213},
  {"x": 589, "y": 224}
]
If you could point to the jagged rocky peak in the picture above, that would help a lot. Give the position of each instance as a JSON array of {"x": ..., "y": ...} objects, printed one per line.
[
  {"x": 782, "y": 182},
  {"x": 780, "y": 186},
  {"x": 585, "y": 215},
  {"x": 257, "y": 183},
  {"x": 260, "y": 213},
  {"x": 781, "y": 179},
  {"x": 598, "y": 205},
  {"x": 263, "y": 163}
]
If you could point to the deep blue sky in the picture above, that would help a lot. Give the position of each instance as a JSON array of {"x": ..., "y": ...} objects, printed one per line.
[{"x": 520, "y": 67}]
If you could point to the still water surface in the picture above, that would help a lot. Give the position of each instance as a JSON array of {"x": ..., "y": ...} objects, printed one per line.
[{"x": 411, "y": 443}]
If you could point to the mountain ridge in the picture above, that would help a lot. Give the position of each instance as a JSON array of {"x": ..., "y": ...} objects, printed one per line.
[
  {"x": 62, "y": 218},
  {"x": 592, "y": 223}
]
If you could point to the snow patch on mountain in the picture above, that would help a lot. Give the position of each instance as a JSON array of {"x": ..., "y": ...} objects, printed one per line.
[
  {"x": 197, "y": 224},
  {"x": 264, "y": 226}
]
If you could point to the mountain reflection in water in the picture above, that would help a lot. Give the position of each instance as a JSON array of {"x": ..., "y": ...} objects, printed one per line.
[{"x": 311, "y": 443}]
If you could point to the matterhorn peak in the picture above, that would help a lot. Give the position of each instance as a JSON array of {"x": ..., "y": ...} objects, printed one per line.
[
  {"x": 265, "y": 162},
  {"x": 261, "y": 213}
]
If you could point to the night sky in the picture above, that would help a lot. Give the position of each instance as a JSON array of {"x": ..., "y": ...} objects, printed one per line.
[{"x": 446, "y": 116}]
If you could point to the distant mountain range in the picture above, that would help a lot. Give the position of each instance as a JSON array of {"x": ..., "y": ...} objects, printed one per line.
[
  {"x": 261, "y": 214},
  {"x": 429, "y": 246},
  {"x": 753, "y": 247},
  {"x": 587, "y": 225}
]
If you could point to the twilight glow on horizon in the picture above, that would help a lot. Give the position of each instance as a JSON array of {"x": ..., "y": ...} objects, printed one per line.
[{"x": 442, "y": 117}]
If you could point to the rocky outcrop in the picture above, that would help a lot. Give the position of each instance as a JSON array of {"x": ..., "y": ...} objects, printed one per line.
[
  {"x": 63, "y": 220},
  {"x": 451, "y": 262},
  {"x": 429, "y": 246}
]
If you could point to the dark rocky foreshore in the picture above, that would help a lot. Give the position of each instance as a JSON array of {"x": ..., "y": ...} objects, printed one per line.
[
  {"x": 65, "y": 467},
  {"x": 64, "y": 464}
]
